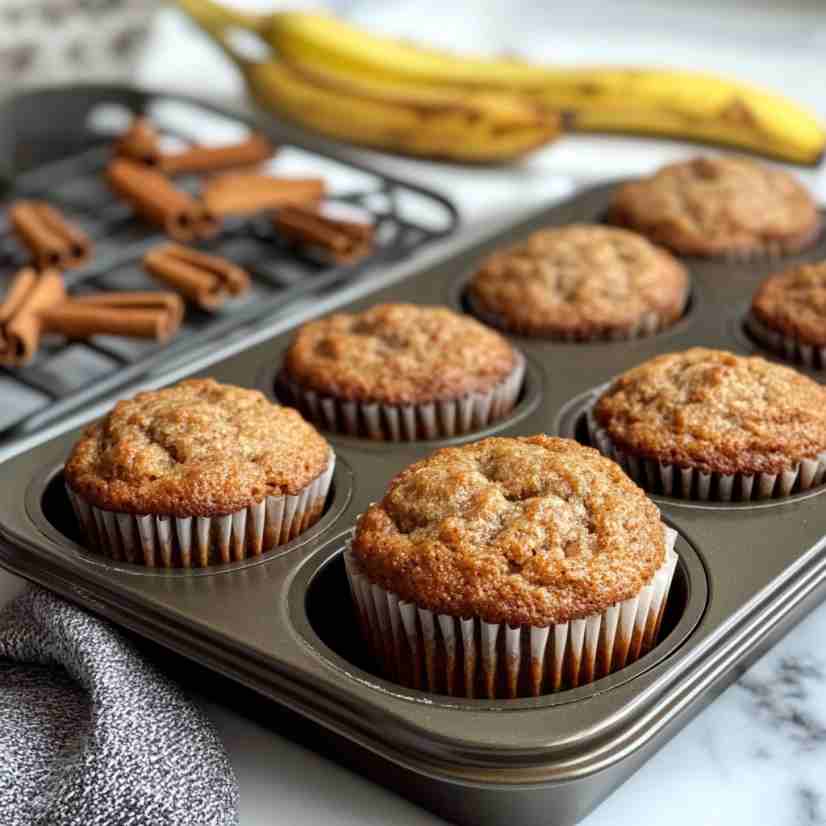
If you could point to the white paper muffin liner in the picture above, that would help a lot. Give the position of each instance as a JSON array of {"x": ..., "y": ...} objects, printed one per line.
[
  {"x": 647, "y": 325},
  {"x": 772, "y": 249},
  {"x": 691, "y": 483},
  {"x": 200, "y": 541},
  {"x": 473, "y": 658},
  {"x": 786, "y": 346},
  {"x": 407, "y": 423}
]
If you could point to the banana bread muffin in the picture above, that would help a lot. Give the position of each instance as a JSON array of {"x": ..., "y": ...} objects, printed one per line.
[
  {"x": 517, "y": 550},
  {"x": 729, "y": 206},
  {"x": 401, "y": 371},
  {"x": 706, "y": 423},
  {"x": 580, "y": 283},
  {"x": 235, "y": 473},
  {"x": 788, "y": 314}
]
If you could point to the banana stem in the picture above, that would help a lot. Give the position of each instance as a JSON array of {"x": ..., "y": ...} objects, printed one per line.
[
  {"x": 217, "y": 16},
  {"x": 216, "y": 21}
]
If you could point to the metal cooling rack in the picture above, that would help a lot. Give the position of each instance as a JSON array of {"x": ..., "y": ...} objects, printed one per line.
[{"x": 62, "y": 161}]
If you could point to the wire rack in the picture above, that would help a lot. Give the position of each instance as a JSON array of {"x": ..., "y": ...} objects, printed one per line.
[{"x": 55, "y": 147}]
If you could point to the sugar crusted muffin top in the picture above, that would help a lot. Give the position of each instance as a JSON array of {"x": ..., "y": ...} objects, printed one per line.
[
  {"x": 711, "y": 206},
  {"x": 398, "y": 354},
  {"x": 198, "y": 448},
  {"x": 716, "y": 412},
  {"x": 584, "y": 280},
  {"x": 534, "y": 530},
  {"x": 793, "y": 302}
]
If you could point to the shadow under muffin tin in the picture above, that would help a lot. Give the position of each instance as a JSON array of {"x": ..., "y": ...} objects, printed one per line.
[{"x": 284, "y": 624}]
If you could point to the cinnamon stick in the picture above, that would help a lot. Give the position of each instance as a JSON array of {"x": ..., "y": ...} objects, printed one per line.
[
  {"x": 237, "y": 193},
  {"x": 253, "y": 150},
  {"x": 153, "y": 196},
  {"x": 338, "y": 240},
  {"x": 28, "y": 298},
  {"x": 51, "y": 239},
  {"x": 134, "y": 315},
  {"x": 140, "y": 142},
  {"x": 20, "y": 287},
  {"x": 206, "y": 280}
]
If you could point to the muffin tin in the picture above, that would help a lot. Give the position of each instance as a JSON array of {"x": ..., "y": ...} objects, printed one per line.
[{"x": 283, "y": 625}]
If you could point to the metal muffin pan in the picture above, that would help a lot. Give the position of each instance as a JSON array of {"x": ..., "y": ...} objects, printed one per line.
[{"x": 283, "y": 626}]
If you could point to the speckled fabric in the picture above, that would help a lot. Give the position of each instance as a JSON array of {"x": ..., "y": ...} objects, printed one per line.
[{"x": 92, "y": 735}]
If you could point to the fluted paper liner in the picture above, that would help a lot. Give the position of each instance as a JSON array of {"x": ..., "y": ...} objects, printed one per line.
[
  {"x": 470, "y": 657},
  {"x": 788, "y": 347},
  {"x": 199, "y": 541},
  {"x": 772, "y": 249},
  {"x": 398, "y": 423},
  {"x": 647, "y": 325},
  {"x": 690, "y": 483}
]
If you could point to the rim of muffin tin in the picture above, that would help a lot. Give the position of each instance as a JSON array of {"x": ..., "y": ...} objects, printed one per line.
[
  {"x": 690, "y": 569},
  {"x": 42, "y": 482},
  {"x": 570, "y": 424},
  {"x": 457, "y": 297},
  {"x": 528, "y": 400}
]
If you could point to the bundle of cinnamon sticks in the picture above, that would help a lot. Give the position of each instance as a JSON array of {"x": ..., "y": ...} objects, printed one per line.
[
  {"x": 337, "y": 240},
  {"x": 51, "y": 240},
  {"x": 29, "y": 295},
  {"x": 206, "y": 280},
  {"x": 141, "y": 172},
  {"x": 142, "y": 143}
]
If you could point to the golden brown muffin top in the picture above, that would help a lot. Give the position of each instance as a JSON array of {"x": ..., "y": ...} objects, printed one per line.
[
  {"x": 398, "y": 354},
  {"x": 197, "y": 448},
  {"x": 584, "y": 280},
  {"x": 715, "y": 411},
  {"x": 533, "y": 530},
  {"x": 794, "y": 303},
  {"x": 711, "y": 206}
]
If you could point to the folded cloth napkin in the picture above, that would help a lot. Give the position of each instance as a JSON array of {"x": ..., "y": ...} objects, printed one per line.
[{"x": 92, "y": 735}]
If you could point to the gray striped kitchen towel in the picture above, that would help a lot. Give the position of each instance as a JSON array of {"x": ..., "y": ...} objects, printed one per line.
[{"x": 93, "y": 735}]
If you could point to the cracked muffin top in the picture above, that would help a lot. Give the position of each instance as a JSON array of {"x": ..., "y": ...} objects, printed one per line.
[
  {"x": 198, "y": 448},
  {"x": 714, "y": 206},
  {"x": 582, "y": 281},
  {"x": 528, "y": 531},
  {"x": 716, "y": 412},
  {"x": 398, "y": 354},
  {"x": 794, "y": 303}
]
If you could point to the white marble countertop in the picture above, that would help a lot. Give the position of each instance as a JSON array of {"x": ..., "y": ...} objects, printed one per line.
[{"x": 758, "y": 754}]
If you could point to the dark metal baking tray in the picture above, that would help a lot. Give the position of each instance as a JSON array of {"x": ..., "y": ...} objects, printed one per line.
[
  {"x": 55, "y": 144},
  {"x": 281, "y": 624}
]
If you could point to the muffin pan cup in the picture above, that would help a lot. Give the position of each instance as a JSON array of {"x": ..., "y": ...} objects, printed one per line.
[
  {"x": 200, "y": 541},
  {"x": 283, "y": 623},
  {"x": 466, "y": 656},
  {"x": 407, "y": 423}
]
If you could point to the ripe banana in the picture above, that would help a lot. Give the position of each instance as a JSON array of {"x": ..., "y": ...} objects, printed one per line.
[
  {"x": 436, "y": 125},
  {"x": 509, "y": 96},
  {"x": 679, "y": 104},
  {"x": 404, "y": 117}
]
